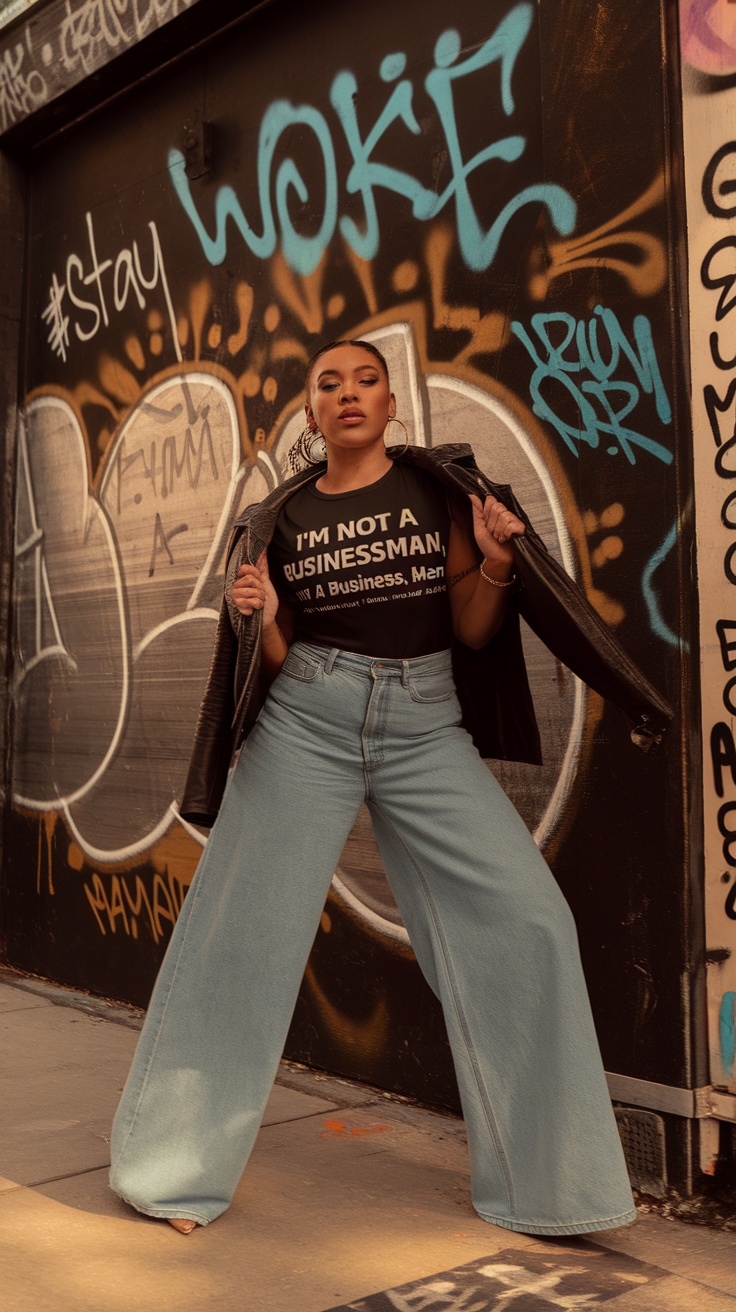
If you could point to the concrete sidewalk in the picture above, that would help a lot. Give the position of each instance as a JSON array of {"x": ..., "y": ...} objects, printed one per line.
[{"x": 350, "y": 1199}]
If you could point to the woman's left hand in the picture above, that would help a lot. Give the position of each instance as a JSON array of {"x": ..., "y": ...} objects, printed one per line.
[{"x": 493, "y": 528}]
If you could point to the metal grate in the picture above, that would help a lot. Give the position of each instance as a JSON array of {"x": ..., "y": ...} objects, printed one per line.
[{"x": 643, "y": 1139}]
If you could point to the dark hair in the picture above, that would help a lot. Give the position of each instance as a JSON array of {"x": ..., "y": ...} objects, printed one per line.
[{"x": 345, "y": 341}]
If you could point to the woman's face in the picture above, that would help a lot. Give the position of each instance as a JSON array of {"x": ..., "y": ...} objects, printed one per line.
[{"x": 349, "y": 398}]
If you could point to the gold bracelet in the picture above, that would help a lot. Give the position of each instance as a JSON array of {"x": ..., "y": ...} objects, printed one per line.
[{"x": 496, "y": 582}]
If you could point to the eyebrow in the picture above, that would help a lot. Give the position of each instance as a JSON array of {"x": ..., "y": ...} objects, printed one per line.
[{"x": 325, "y": 373}]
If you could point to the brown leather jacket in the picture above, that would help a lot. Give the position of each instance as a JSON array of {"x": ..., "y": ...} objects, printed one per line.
[{"x": 492, "y": 683}]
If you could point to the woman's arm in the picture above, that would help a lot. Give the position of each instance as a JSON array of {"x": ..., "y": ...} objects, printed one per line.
[
  {"x": 479, "y": 596},
  {"x": 253, "y": 590}
]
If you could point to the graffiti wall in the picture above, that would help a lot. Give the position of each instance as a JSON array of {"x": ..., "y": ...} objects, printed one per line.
[
  {"x": 474, "y": 193},
  {"x": 709, "y": 62},
  {"x": 63, "y": 41}
]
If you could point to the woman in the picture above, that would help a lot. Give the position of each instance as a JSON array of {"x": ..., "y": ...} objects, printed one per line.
[{"x": 374, "y": 570}]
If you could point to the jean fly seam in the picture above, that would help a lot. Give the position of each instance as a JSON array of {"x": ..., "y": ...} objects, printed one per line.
[
  {"x": 485, "y": 1101},
  {"x": 373, "y": 727},
  {"x": 194, "y": 894}
]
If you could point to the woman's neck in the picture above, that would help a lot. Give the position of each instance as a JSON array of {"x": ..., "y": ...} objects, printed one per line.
[{"x": 348, "y": 470}]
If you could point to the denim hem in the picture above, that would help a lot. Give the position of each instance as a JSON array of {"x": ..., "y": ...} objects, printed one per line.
[
  {"x": 159, "y": 1214},
  {"x": 573, "y": 1228}
]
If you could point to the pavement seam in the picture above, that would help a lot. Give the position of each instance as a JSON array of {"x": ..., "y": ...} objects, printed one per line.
[
  {"x": 675, "y": 1275},
  {"x": 13, "y": 1011},
  {"x": 348, "y": 1104},
  {"x": 99, "y": 1008},
  {"x": 306, "y": 1116},
  {"x": 54, "y": 1179}
]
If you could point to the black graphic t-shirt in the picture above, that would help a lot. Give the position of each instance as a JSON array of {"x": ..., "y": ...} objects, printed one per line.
[{"x": 365, "y": 570}]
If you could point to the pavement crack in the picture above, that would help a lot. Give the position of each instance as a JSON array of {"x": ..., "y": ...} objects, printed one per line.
[{"x": 68, "y": 1175}]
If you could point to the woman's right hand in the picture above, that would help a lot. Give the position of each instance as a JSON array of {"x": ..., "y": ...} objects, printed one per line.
[{"x": 253, "y": 590}]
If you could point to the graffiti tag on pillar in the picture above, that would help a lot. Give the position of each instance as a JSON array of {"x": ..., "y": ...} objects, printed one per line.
[{"x": 707, "y": 34}]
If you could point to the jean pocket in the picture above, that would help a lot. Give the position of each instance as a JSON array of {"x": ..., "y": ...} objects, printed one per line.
[
  {"x": 303, "y": 668},
  {"x": 427, "y": 688}
]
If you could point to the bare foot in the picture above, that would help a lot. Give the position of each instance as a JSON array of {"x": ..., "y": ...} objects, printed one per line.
[{"x": 182, "y": 1224}]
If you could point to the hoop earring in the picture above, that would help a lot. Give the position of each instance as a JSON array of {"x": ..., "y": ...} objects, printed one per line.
[
  {"x": 305, "y": 449},
  {"x": 389, "y": 446}
]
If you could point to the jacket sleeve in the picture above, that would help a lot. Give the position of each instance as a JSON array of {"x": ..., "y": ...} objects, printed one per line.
[
  {"x": 213, "y": 736},
  {"x": 495, "y": 698},
  {"x": 561, "y": 615}
]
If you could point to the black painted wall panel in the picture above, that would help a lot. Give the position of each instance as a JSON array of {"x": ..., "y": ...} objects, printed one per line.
[{"x": 550, "y": 342}]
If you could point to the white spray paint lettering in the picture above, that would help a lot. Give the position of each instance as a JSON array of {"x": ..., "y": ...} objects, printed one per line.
[{"x": 95, "y": 286}]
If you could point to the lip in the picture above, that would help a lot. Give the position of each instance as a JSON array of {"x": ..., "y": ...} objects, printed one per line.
[{"x": 351, "y": 415}]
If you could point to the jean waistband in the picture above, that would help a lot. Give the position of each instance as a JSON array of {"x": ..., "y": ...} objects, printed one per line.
[{"x": 436, "y": 662}]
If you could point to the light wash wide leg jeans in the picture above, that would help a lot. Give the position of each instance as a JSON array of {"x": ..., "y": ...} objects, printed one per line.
[{"x": 491, "y": 930}]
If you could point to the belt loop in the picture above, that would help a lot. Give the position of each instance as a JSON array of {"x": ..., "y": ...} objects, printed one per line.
[
  {"x": 405, "y": 674},
  {"x": 329, "y": 663}
]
